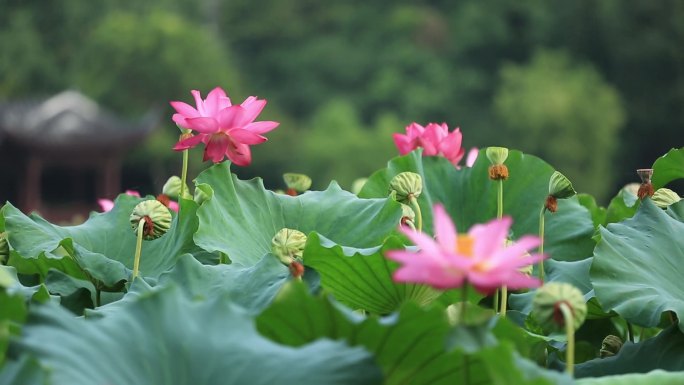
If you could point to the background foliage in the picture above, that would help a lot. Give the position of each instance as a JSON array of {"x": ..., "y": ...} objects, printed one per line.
[{"x": 583, "y": 84}]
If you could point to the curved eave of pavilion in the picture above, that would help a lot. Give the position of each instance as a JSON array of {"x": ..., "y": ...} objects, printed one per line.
[{"x": 69, "y": 121}]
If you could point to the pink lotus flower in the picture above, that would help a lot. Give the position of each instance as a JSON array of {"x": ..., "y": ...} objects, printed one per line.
[
  {"x": 435, "y": 139},
  {"x": 108, "y": 204},
  {"x": 472, "y": 157},
  {"x": 227, "y": 130},
  {"x": 478, "y": 258}
]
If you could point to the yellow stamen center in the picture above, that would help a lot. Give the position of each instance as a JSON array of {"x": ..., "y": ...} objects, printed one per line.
[{"x": 464, "y": 245}]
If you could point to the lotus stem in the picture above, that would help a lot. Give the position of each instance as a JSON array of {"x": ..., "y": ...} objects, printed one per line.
[
  {"x": 466, "y": 359},
  {"x": 413, "y": 202},
  {"x": 138, "y": 248},
  {"x": 504, "y": 301},
  {"x": 496, "y": 301},
  {"x": 499, "y": 200},
  {"x": 570, "y": 333},
  {"x": 541, "y": 242},
  {"x": 184, "y": 176}
]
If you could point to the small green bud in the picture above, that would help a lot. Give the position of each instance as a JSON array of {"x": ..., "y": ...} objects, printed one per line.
[
  {"x": 497, "y": 155},
  {"x": 610, "y": 346},
  {"x": 201, "y": 195},
  {"x": 297, "y": 182},
  {"x": 405, "y": 185},
  {"x": 4, "y": 249},
  {"x": 156, "y": 216},
  {"x": 664, "y": 197},
  {"x": 6, "y": 279},
  {"x": 547, "y": 301},
  {"x": 288, "y": 245},
  {"x": 407, "y": 213},
  {"x": 172, "y": 188},
  {"x": 357, "y": 185},
  {"x": 560, "y": 186}
]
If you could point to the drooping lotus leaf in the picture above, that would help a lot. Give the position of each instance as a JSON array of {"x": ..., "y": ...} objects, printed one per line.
[
  {"x": 659, "y": 377},
  {"x": 637, "y": 268},
  {"x": 252, "y": 287},
  {"x": 362, "y": 278},
  {"x": 470, "y": 197},
  {"x": 242, "y": 217},
  {"x": 624, "y": 205},
  {"x": 668, "y": 167},
  {"x": 103, "y": 246},
  {"x": 409, "y": 346},
  {"x": 164, "y": 337},
  {"x": 664, "y": 351}
]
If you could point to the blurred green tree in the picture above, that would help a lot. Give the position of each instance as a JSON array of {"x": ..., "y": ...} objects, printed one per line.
[{"x": 564, "y": 112}]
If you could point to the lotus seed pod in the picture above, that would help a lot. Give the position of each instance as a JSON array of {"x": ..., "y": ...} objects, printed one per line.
[
  {"x": 645, "y": 174},
  {"x": 156, "y": 216},
  {"x": 172, "y": 188},
  {"x": 4, "y": 248},
  {"x": 288, "y": 245},
  {"x": 497, "y": 155},
  {"x": 610, "y": 346},
  {"x": 297, "y": 182},
  {"x": 547, "y": 302},
  {"x": 560, "y": 186},
  {"x": 405, "y": 185},
  {"x": 664, "y": 197}
]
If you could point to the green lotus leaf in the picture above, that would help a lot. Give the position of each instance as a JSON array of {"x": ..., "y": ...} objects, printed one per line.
[
  {"x": 668, "y": 167},
  {"x": 623, "y": 206},
  {"x": 470, "y": 198},
  {"x": 637, "y": 267},
  {"x": 409, "y": 346},
  {"x": 362, "y": 278},
  {"x": 242, "y": 217},
  {"x": 165, "y": 337},
  {"x": 103, "y": 246},
  {"x": 659, "y": 377},
  {"x": 664, "y": 351},
  {"x": 252, "y": 287}
]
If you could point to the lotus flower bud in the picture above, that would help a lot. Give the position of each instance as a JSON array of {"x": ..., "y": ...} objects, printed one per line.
[
  {"x": 664, "y": 197},
  {"x": 646, "y": 188},
  {"x": 172, "y": 188},
  {"x": 357, "y": 185},
  {"x": 405, "y": 185},
  {"x": 610, "y": 346},
  {"x": 547, "y": 302},
  {"x": 4, "y": 249},
  {"x": 497, "y": 156},
  {"x": 288, "y": 245},
  {"x": 157, "y": 219},
  {"x": 297, "y": 183},
  {"x": 560, "y": 186}
]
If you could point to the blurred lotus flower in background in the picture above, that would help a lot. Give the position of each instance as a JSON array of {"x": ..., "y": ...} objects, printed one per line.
[
  {"x": 435, "y": 140},
  {"x": 480, "y": 258},
  {"x": 472, "y": 156},
  {"x": 227, "y": 130},
  {"x": 108, "y": 204}
]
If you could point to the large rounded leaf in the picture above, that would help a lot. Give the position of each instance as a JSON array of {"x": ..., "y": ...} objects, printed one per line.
[
  {"x": 164, "y": 337},
  {"x": 409, "y": 346},
  {"x": 105, "y": 244},
  {"x": 668, "y": 167},
  {"x": 252, "y": 287},
  {"x": 362, "y": 278},
  {"x": 470, "y": 197},
  {"x": 638, "y": 266},
  {"x": 242, "y": 217}
]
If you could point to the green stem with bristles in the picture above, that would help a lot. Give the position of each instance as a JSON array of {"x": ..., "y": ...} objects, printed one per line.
[
  {"x": 138, "y": 248},
  {"x": 413, "y": 202},
  {"x": 499, "y": 215},
  {"x": 499, "y": 200},
  {"x": 570, "y": 333},
  {"x": 541, "y": 243}
]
